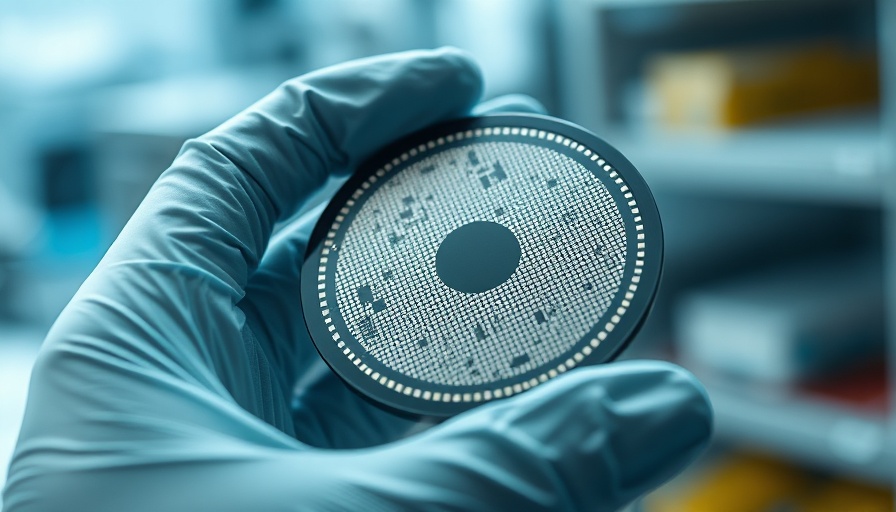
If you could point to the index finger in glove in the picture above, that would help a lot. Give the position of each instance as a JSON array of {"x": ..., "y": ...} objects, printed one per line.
[{"x": 166, "y": 297}]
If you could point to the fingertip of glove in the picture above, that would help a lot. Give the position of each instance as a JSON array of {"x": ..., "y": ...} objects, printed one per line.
[
  {"x": 640, "y": 421},
  {"x": 691, "y": 390},
  {"x": 635, "y": 398},
  {"x": 663, "y": 419},
  {"x": 467, "y": 70},
  {"x": 656, "y": 385},
  {"x": 664, "y": 370},
  {"x": 611, "y": 432}
]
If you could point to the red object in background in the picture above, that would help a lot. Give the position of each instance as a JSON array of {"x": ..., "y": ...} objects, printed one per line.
[{"x": 863, "y": 388}]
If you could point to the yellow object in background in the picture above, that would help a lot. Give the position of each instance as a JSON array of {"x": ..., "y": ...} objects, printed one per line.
[
  {"x": 739, "y": 482},
  {"x": 730, "y": 88}
]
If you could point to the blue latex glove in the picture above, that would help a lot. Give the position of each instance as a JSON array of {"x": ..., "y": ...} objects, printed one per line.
[{"x": 181, "y": 376}]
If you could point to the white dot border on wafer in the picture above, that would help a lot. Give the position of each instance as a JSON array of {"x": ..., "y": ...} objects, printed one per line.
[{"x": 503, "y": 391}]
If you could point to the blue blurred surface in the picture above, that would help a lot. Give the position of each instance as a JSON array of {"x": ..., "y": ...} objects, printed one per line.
[{"x": 96, "y": 97}]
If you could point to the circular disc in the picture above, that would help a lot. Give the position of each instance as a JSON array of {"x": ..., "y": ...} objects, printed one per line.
[{"x": 479, "y": 258}]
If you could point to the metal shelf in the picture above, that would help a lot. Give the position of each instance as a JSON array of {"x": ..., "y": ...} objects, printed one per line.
[
  {"x": 831, "y": 161},
  {"x": 816, "y": 432},
  {"x": 839, "y": 159}
]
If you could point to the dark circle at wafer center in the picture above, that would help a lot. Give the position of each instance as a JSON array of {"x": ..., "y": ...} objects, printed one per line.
[{"x": 477, "y": 257}]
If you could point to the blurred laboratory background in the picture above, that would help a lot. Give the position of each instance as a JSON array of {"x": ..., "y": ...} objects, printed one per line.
[{"x": 766, "y": 128}]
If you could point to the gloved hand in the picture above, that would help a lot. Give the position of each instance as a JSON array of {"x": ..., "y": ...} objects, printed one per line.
[{"x": 181, "y": 377}]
